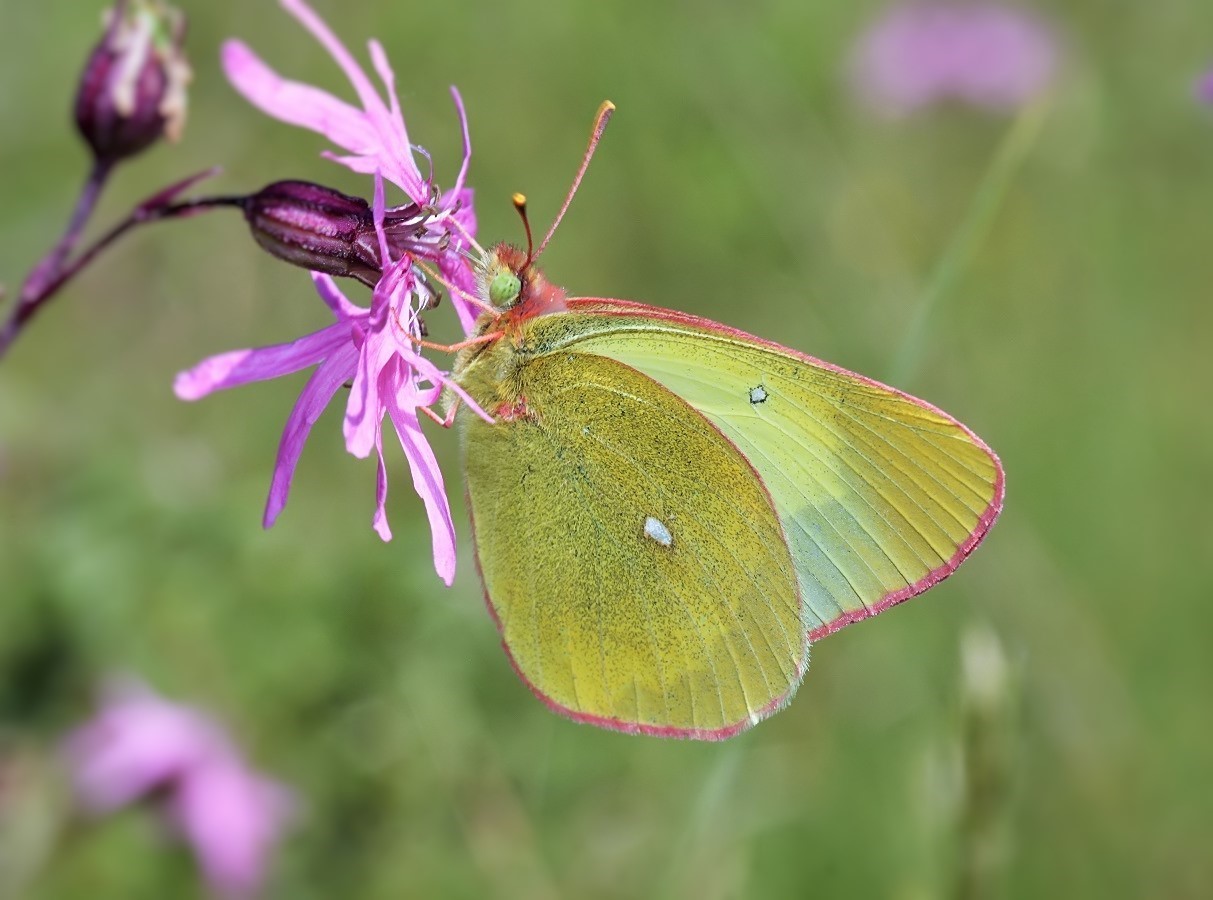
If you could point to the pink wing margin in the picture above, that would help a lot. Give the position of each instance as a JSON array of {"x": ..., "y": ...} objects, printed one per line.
[{"x": 622, "y": 725}]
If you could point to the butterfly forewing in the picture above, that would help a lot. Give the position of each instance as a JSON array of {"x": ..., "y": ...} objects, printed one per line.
[
  {"x": 880, "y": 495},
  {"x": 631, "y": 555}
]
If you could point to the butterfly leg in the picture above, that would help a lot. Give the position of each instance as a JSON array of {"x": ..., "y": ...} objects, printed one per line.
[
  {"x": 445, "y": 421},
  {"x": 455, "y": 348}
]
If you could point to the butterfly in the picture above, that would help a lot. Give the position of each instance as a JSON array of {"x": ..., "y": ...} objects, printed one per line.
[{"x": 667, "y": 511}]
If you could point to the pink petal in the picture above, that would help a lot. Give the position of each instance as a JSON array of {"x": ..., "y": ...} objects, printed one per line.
[
  {"x": 364, "y": 409},
  {"x": 296, "y": 103},
  {"x": 137, "y": 743},
  {"x": 427, "y": 481},
  {"x": 393, "y": 153},
  {"x": 316, "y": 395},
  {"x": 232, "y": 819},
  {"x": 378, "y": 210},
  {"x": 467, "y": 148},
  {"x": 1204, "y": 87},
  {"x": 459, "y": 275},
  {"x": 334, "y": 298},
  {"x": 370, "y": 98},
  {"x": 379, "y": 519},
  {"x": 238, "y": 367},
  {"x": 387, "y": 76}
]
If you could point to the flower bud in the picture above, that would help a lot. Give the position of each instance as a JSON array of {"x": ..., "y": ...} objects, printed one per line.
[
  {"x": 324, "y": 230},
  {"x": 315, "y": 227},
  {"x": 132, "y": 90}
]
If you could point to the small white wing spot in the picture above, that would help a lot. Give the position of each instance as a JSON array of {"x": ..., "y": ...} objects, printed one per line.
[
  {"x": 758, "y": 394},
  {"x": 655, "y": 529}
]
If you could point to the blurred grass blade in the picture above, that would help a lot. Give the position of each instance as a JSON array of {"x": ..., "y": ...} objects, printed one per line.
[
  {"x": 989, "y": 702},
  {"x": 987, "y": 200}
]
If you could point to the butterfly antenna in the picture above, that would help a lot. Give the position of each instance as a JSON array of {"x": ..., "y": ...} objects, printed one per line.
[
  {"x": 600, "y": 123},
  {"x": 520, "y": 205}
]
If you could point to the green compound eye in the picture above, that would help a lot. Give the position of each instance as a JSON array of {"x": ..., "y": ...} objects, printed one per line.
[{"x": 505, "y": 287}]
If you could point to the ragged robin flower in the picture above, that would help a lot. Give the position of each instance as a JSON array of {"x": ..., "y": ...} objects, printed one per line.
[
  {"x": 141, "y": 748},
  {"x": 374, "y": 349},
  {"x": 982, "y": 54}
]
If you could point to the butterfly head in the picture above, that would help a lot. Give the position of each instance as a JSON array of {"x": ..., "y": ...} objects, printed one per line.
[
  {"x": 509, "y": 279},
  {"x": 502, "y": 278},
  {"x": 514, "y": 285}
]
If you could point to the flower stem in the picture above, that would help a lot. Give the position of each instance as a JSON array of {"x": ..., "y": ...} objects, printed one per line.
[
  {"x": 54, "y": 271},
  {"x": 34, "y": 292},
  {"x": 967, "y": 239}
]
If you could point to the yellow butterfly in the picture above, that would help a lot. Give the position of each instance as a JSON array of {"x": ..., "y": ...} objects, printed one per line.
[{"x": 667, "y": 511}]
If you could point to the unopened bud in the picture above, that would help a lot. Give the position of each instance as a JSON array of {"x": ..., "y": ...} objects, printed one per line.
[
  {"x": 133, "y": 89},
  {"x": 315, "y": 227},
  {"x": 324, "y": 230}
]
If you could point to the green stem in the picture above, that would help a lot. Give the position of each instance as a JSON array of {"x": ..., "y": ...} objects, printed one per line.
[{"x": 968, "y": 238}]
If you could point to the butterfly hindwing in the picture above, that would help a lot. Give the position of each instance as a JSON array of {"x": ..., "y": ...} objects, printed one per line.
[
  {"x": 880, "y": 495},
  {"x": 631, "y": 555}
]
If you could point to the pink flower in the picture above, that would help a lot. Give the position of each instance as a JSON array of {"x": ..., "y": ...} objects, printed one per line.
[
  {"x": 375, "y": 348},
  {"x": 232, "y": 818},
  {"x": 986, "y": 55},
  {"x": 137, "y": 744},
  {"x": 1204, "y": 87},
  {"x": 140, "y": 746}
]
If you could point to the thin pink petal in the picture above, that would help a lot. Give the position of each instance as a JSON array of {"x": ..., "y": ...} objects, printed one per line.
[
  {"x": 239, "y": 367},
  {"x": 362, "y": 85},
  {"x": 392, "y": 154},
  {"x": 460, "y": 276},
  {"x": 378, "y": 210},
  {"x": 316, "y": 394},
  {"x": 379, "y": 519},
  {"x": 427, "y": 481},
  {"x": 334, "y": 298},
  {"x": 232, "y": 818},
  {"x": 467, "y": 146},
  {"x": 364, "y": 410},
  {"x": 400, "y": 166},
  {"x": 296, "y": 103},
  {"x": 384, "y": 68}
]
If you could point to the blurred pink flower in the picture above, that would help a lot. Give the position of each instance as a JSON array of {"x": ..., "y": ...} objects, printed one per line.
[
  {"x": 375, "y": 349},
  {"x": 1204, "y": 87},
  {"x": 984, "y": 54},
  {"x": 140, "y": 746},
  {"x": 231, "y": 817}
]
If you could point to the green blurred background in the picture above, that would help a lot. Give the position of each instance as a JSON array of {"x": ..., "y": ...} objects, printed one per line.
[{"x": 739, "y": 180}]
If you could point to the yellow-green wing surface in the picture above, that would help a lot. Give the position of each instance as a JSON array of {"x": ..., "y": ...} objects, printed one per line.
[
  {"x": 880, "y": 495},
  {"x": 631, "y": 556}
]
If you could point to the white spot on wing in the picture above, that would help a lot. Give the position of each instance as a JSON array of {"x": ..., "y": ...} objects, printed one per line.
[
  {"x": 655, "y": 529},
  {"x": 758, "y": 394}
]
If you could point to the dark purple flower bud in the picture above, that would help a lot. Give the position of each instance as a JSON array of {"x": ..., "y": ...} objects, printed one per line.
[
  {"x": 132, "y": 90},
  {"x": 315, "y": 227},
  {"x": 324, "y": 230}
]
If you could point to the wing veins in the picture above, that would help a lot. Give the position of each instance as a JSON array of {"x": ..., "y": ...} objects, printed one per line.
[{"x": 775, "y": 656}]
